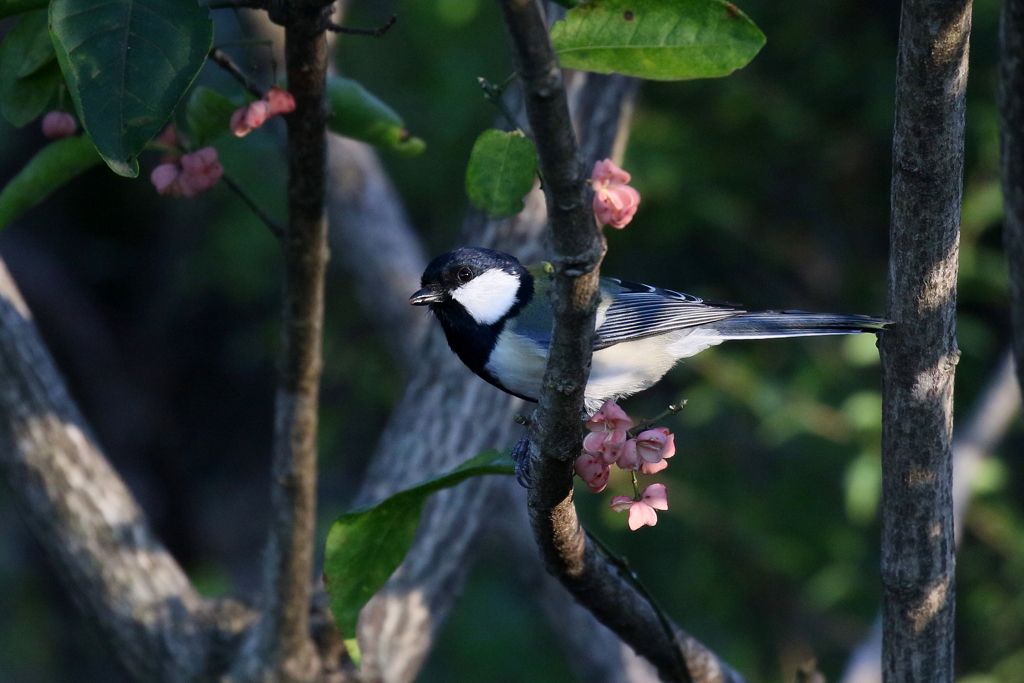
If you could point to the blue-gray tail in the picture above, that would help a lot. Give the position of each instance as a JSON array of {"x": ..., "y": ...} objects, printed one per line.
[{"x": 774, "y": 324}]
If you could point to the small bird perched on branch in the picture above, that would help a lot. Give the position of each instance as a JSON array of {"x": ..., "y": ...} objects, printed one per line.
[{"x": 497, "y": 318}]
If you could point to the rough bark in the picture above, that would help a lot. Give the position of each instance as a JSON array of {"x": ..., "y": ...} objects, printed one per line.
[
  {"x": 990, "y": 419},
  {"x": 290, "y": 654},
  {"x": 919, "y": 352},
  {"x": 91, "y": 526},
  {"x": 1011, "y": 149},
  {"x": 578, "y": 247}
]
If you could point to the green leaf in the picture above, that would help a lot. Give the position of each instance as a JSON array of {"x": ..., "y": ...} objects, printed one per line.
[
  {"x": 51, "y": 167},
  {"x": 500, "y": 172},
  {"x": 208, "y": 114},
  {"x": 28, "y": 45},
  {"x": 365, "y": 546},
  {"x": 355, "y": 112},
  {"x": 8, "y": 8},
  {"x": 661, "y": 40},
  {"x": 127, "y": 64},
  {"x": 28, "y": 73}
]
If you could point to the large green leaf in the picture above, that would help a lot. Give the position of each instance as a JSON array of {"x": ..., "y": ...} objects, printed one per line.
[
  {"x": 357, "y": 113},
  {"x": 127, "y": 64},
  {"x": 662, "y": 40},
  {"x": 365, "y": 546},
  {"x": 28, "y": 73},
  {"x": 500, "y": 172},
  {"x": 11, "y": 7},
  {"x": 51, "y": 167}
]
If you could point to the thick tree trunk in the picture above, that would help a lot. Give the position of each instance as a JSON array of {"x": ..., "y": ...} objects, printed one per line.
[{"x": 919, "y": 352}]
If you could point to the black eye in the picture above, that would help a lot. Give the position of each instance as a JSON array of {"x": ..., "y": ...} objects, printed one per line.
[{"x": 465, "y": 274}]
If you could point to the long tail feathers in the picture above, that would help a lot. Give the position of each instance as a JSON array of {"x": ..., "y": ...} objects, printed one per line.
[{"x": 774, "y": 324}]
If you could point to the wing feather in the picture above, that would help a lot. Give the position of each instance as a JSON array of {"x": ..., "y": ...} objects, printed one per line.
[{"x": 638, "y": 311}]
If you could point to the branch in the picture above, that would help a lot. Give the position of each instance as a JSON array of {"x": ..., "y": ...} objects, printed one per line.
[
  {"x": 271, "y": 224},
  {"x": 1011, "y": 148},
  {"x": 375, "y": 32},
  {"x": 919, "y": 351},
  {"x": 288, "y": 651},
  {"x": 990, "y": 418},
  {"x": 224, "y": 61},
  {"x": 578, "y": 248},
  {"x": 88, "y": 521},
  {"x": 398, "y": 627}
]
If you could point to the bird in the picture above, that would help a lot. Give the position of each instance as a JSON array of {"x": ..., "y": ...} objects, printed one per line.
[{"x": 496, "y": 316}]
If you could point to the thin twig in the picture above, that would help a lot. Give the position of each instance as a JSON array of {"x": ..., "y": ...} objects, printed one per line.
[
  {"x": 647, "y": 424},
  {"x": 578, "y": 248},
  {"x": 375, "y": 32},
  {"x": 224, "y": 61},
  {"x": 493, "y": 94},
  {"x": 276, "y": 228}
]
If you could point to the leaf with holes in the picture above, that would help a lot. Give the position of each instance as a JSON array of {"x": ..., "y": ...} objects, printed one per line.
[
  {"x": 51, "y": 167},
  {"x": 365, "y": 546},
  {"x": 662, "y": 40},
  {"x": 501, "y": 170},
  {"x": 127, "y": 64}
]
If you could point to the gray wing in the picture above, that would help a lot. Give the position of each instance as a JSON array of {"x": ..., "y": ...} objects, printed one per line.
[{"x": 635, "y": 311}]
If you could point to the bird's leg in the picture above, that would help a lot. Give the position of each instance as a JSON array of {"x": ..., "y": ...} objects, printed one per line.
[{"x": 521, "y": 457}]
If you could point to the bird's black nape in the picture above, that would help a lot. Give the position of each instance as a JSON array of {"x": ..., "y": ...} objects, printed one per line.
[{"x": 443, "y": 269}]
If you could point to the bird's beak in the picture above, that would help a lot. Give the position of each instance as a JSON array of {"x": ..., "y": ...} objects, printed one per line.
[{"x": 425, "y": 296}]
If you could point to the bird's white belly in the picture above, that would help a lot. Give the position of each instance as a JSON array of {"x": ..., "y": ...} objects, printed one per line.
[
  {"x": 518, "y": 363},
  {"x": 617, "y": 371},
  {"x": 627, "y": 368}
]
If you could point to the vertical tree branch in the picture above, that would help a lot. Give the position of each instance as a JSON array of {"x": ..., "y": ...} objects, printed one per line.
[
  {"x": 578, "y": 247},
  {"x": 919, "y": 352},
  {"x": 1011, "y": 147},
  {"x": 290, "y": 652},
  {"x": 990, "y": 419}
]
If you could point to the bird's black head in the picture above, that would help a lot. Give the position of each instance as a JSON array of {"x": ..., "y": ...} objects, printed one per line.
[
  {"x": 486, "y": 285},
  {"x": 473, "y": 292}
]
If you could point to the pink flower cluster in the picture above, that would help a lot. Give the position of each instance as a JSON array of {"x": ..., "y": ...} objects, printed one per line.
[
  {"x": 255, "y": 114},
  {"x": 615, "y": 202},
  {"x": 608, "y": 444},
  {"x": 193, "y": 173},
  {"x": 59, "y": 124}
]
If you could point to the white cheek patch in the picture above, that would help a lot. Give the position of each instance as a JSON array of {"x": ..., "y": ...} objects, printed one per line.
[{"x": 489, "y": 296}]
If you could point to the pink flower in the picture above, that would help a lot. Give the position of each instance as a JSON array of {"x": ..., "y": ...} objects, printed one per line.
[
  {"x": 59, "y": 124},
  {"x": 163, "y": 177},
  {"x": 249, "y": 118},
  {"x": 615, "y": 202},
  {"x": 655, "y": 444},
  {"x": 280, "y": 101},
  {"x": 197, "y": 172},
  {"x": 607, "y": 432},
  {"x": 610, "y": 417},
  {"x": 169, "y": 137},
  {"x": 642, "y": 512},
  {"x": 592, "y": 471},
  {"x": 605, "y": 445}
]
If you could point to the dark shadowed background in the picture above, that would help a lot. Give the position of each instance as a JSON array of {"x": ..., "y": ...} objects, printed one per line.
[{"x": 769, "y": 187}]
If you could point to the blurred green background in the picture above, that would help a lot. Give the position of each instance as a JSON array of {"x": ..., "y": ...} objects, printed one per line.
[{"x": 769, "y": 187}]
